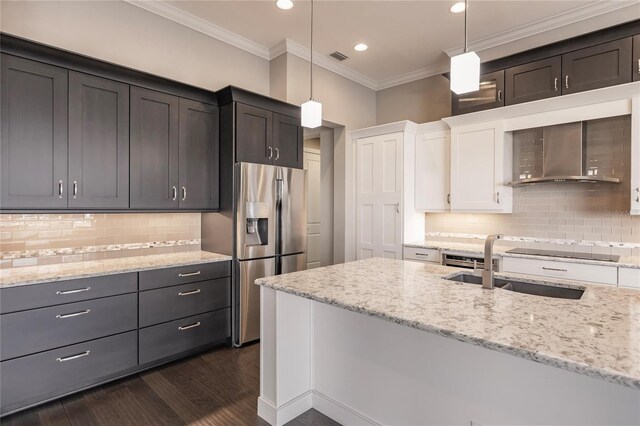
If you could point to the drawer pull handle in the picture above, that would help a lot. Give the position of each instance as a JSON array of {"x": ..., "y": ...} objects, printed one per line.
[
  {"x": 71, "y": 357},
  {"x": 190, "y": 274},
  {"x": 554, "y": 269},
  {"x": 422, "y": 254},
  {"x": 187, "y": 327},
  {"x": 188, "y": 293},
  {"x": 77, "y": 290},
  {"x": 74, "y": 314}
]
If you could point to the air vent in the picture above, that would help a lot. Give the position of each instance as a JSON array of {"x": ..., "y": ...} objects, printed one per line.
[{"x": 339, "y": 56}]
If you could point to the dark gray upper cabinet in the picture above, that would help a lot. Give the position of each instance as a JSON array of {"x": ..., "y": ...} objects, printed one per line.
[
  {"x": 598, "y": 66},
  {"x": 254, "y": 134},
  {"x": 33, "y": 135},
  {"x": 287, "y": 138},
  {"x": 636, "y": 58},
  {"x": 154, "y": 150},
  {"x": 199, "y": 156},
  {"x": 490, "y": 95},
  {"x": 533, "y": 81},
  {"x": 98, "y": 176}
]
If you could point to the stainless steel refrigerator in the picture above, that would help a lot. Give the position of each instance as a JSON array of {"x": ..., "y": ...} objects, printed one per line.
[{"x": 270, "y": 236}]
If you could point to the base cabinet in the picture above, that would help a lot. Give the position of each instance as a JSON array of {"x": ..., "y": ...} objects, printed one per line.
[{"x": 60, "y": 337}]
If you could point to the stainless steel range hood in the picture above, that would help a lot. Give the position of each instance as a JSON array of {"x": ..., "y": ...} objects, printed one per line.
[{"x": 564, "y": 157}]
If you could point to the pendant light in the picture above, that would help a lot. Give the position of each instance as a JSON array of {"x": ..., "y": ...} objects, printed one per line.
[
  {"x": 311, "y": 110},
  {"x": 465, "y": 68}
]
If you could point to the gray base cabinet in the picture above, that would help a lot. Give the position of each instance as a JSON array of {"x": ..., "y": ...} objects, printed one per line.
[
  {"x": 45, "y": 375},
  {"x": 175, "y": 337},
  {"x": 60, "y": 337}
]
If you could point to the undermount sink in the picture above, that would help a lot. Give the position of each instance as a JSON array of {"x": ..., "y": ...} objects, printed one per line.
[{"x": 521, "y": 286}]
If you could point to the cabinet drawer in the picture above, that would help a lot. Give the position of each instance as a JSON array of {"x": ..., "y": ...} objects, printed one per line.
[
  {"x": 27, "y": 332},
  {"x": 565, "y": 270},
  {"x": 170, "y": 303},
  {"x": 629, "y": 277},
  {"x": 34, "y": 378},
  {"x": 172, "y": 338},
  {"x": 13, "y": 299},
  {"x": 183, "y": 274},
  {"x": 422, "y": 254}
]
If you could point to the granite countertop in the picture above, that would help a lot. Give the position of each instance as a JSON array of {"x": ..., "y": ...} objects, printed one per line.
[
  {"x": 478, "y": 249},
  {"x": 598, "y": 335},
  {"x": 11, "y": 277}
]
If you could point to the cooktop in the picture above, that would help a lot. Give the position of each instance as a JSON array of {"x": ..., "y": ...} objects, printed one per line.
[{"x": 564, "y": 254}]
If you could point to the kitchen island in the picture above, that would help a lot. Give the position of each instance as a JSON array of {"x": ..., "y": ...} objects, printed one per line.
[{"x": 382, "y": 341}]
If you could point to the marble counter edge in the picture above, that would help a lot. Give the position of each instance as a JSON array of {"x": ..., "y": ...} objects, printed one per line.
[
  {"x": 140, "y": 268},
  {"x": 500, "y": 252},
  {"x": 611, "y": 376}
]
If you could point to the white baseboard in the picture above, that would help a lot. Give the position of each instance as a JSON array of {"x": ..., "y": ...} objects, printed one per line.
[
  {"x": 339, "y": 412},
  {"x": 287, "y": 412}
]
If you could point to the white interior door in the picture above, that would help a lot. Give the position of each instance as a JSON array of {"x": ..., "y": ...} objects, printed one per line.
[
  {"x": 314, "y": 216},
  {"x": 379, "y": 196}
]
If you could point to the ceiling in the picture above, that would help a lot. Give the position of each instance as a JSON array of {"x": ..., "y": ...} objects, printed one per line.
[{"x": 408, "y": 39}]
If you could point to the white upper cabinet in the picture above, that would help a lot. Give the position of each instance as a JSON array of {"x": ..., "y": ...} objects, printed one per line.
[
  {"x": 432, "y": 171},
  {"x": 481, "y": 167},
  {"x": 635, "y": 156}
]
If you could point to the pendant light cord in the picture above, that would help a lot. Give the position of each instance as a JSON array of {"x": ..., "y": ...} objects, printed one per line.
[
  {"x": 311, "y": 62},
  {"x": 466, "y": 7}
]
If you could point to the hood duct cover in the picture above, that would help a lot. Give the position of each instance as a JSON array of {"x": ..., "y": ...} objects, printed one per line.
[{"x": 564, "y": 156}]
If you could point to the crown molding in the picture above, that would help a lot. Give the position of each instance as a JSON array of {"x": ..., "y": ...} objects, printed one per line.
[
  {"x": 583, "y": 13},
  {"x": 175, "y": 14},
  {"x": 168, "y": 11},
  {"x": 321, "y": 60}
]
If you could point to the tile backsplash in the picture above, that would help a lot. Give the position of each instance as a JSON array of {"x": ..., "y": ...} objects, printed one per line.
[
  {"x": 565, "y": 211},
  {"x": 39, "y": 239}
]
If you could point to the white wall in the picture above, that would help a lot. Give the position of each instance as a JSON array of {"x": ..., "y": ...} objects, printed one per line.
[{"x": 124, "y": 34}]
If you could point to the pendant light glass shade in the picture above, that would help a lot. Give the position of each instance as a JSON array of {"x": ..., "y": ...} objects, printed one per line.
[
  {"x": 465, "y": 68},
  {"x": 465, "y": 73},
  {"x": 311, "y": 114}
]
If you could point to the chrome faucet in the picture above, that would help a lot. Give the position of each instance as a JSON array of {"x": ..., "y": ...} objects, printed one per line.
[{"x": 487, "y": 273}]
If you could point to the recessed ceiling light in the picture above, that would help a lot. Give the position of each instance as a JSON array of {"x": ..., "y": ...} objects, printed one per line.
[
  {"x": 360, "y": 47},
  {"x": 457, "y": 8},
  {"x": 284, "y": 4}
]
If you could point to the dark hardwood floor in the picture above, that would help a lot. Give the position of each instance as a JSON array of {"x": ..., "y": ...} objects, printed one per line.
[{"x": 219, "y": 388}]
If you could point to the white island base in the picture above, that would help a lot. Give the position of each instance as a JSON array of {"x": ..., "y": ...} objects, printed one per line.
[{"x": 362, "y": 370}]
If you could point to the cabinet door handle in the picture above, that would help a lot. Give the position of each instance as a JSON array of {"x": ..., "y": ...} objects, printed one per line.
[
  {"x": 277, "y": 154},
  {"x": 498, "y": 197},
  {"x": 448, "y": 198},
  {"x": 270, "y": 153},
  {"x": 184, "y": 193},
  {"x": 74, "y": 314},
  {"x": 75, "y": 189},
  {"x": 554, "y": 269},
  {"x": 397, "y": 207},
  {"x": 555, "y": 84},
  {"x": 566, "y": 81},
  {"x": 174, "y": 192},
  {"x": 189, "y": 274},
  {"x": 499, "y": 95},
  {"x": 188, "y": 293},
  {"x": 187, "y": 327},
  {"x": 71, "y": 357},
  {"x": 638, "y": 66},
  {"x": 637, "y": 195},
  {"x": 77, "y": 290},
  {"x": 60, "y": 189}
]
